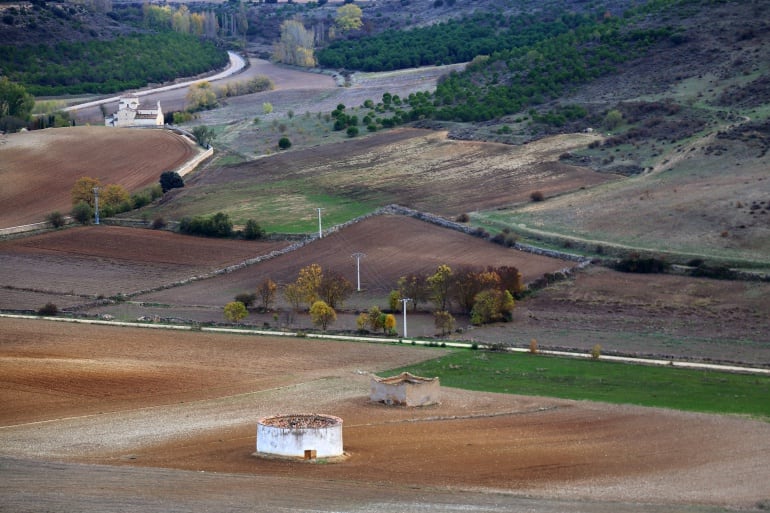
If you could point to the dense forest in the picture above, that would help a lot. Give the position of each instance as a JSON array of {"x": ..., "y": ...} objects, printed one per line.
[
  {"x": 127, "y": 62},
  {"x": 92, "y": 46},
  {"x": 446, "y": 43},
  {"x": 516, "y": 62}
]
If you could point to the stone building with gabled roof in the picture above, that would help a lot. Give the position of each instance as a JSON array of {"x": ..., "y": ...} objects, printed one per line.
[
  {"x": 130, "y": 113},
  {"x": 405, "y": 389}
]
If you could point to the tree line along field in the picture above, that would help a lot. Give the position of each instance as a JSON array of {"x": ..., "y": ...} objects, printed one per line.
[{"x": 660, "y": 315}]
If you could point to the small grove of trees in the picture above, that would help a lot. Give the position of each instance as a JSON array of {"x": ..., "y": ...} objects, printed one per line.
[
  {"x": 295, "y": 45},
  {"x": 252, "y": 230},
  {"x": 487, "y": 295},
  {"x": 15, "y": 105},
  {"x": 218, "y": 225},
  {"x": 113, "y": 199},
  {"x": 313, "y": 284},
  {"x": 201, "y": 96},
  {"x": 375, "y": 320}
]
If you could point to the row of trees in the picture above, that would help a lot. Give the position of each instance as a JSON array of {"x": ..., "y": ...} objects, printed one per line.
[
  {"x": 319, "y": 292},
  {"x": 113, "y": 198},
  {"x": 204, "y": 96},
  {"x": 486, "y": 295},
  {"x": 226, "y": 22}
]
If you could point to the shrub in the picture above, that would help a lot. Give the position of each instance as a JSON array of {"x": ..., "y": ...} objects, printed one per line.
[
  {"x": 49, "y": 310},
  {"x": 55, "y": 219},
  {"x": 140, "y": 199},
  {"x": 235, "y": 311},
  {"x": 463, "y": 218},
  {"x": 82, "y": 213},
  {"x": 636, "y": 264},
  {"x": 537, "y": 196},
  {"x": 719, "y": 272},
  {"x": 596, "y": 351},
  {"x": 158, "y": 223},
  {"x": 284, "y": 143},
  {"x": 204, "y": 135},
  {"x": 352, "y": 131},
  {"x": 246, "y": 298},
  {"x": 253, "y": 231},
  {"x": 170, "y": 180},
  {"x": 505, "y": 238},
  {"x": 218, "y": 225}
]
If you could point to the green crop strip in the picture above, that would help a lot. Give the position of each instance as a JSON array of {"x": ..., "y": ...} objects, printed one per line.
[{"x": 596, "y": 380}]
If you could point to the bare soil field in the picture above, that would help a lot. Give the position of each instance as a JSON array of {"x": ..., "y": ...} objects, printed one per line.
[
  {"x": 415, "y": 246},
  {"x": 661, "y": 315},
  {"x": 78, "y": 264},
  {"x": 99, "y": 418},
  {"x": 39, "y": 168}
]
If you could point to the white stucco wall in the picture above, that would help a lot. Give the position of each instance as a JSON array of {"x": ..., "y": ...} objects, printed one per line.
[{"x": 293, "y": 442}]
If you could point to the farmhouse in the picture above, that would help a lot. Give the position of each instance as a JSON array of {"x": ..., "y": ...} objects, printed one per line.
[{"x": 130, "y": 114}]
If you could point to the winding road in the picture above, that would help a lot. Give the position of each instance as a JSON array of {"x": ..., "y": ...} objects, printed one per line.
[{"x": 91, "y": 112}]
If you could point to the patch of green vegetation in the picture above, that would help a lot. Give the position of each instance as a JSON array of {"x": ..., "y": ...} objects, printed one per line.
[
  {"x": 88, "y": 67},
  {"x": 288, "y": 206},
  {"x": 665, "y": 387}
]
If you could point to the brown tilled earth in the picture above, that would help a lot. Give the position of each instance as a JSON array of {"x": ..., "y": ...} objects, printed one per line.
[
  {"x": 663, "y": 315},
  {"x": 39, "y": 168},
  {"x": 99, "y": 418}
]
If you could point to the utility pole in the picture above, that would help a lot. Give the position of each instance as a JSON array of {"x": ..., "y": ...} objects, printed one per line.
[
  {"x": 320, "y": 231},
  {"x": 404, "y": 301},
  {"x": 358, "y": 257},
  {"x": 96, "y": 205}
]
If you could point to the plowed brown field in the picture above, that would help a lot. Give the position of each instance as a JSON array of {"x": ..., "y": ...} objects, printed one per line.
[
  {"x": 190, "y": 401},
  {"x": 39, "y": 168},
  {"x": 77, "y": 264}
]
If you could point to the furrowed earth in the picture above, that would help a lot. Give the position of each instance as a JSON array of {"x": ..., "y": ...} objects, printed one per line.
[{"x": 137, "y": 419}]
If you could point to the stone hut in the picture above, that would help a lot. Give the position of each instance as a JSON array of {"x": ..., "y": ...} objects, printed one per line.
[{"x": 405, "y": 389}]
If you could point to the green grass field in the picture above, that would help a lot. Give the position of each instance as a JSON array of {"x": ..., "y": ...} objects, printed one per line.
[{"x": 529, "y": 374}]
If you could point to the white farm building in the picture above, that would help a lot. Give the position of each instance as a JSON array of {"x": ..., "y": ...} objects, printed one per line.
[{"x": 130, "y": 113}]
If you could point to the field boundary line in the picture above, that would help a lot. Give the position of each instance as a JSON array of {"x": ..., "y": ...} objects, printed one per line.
[{"x": 441, "y": 344}]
